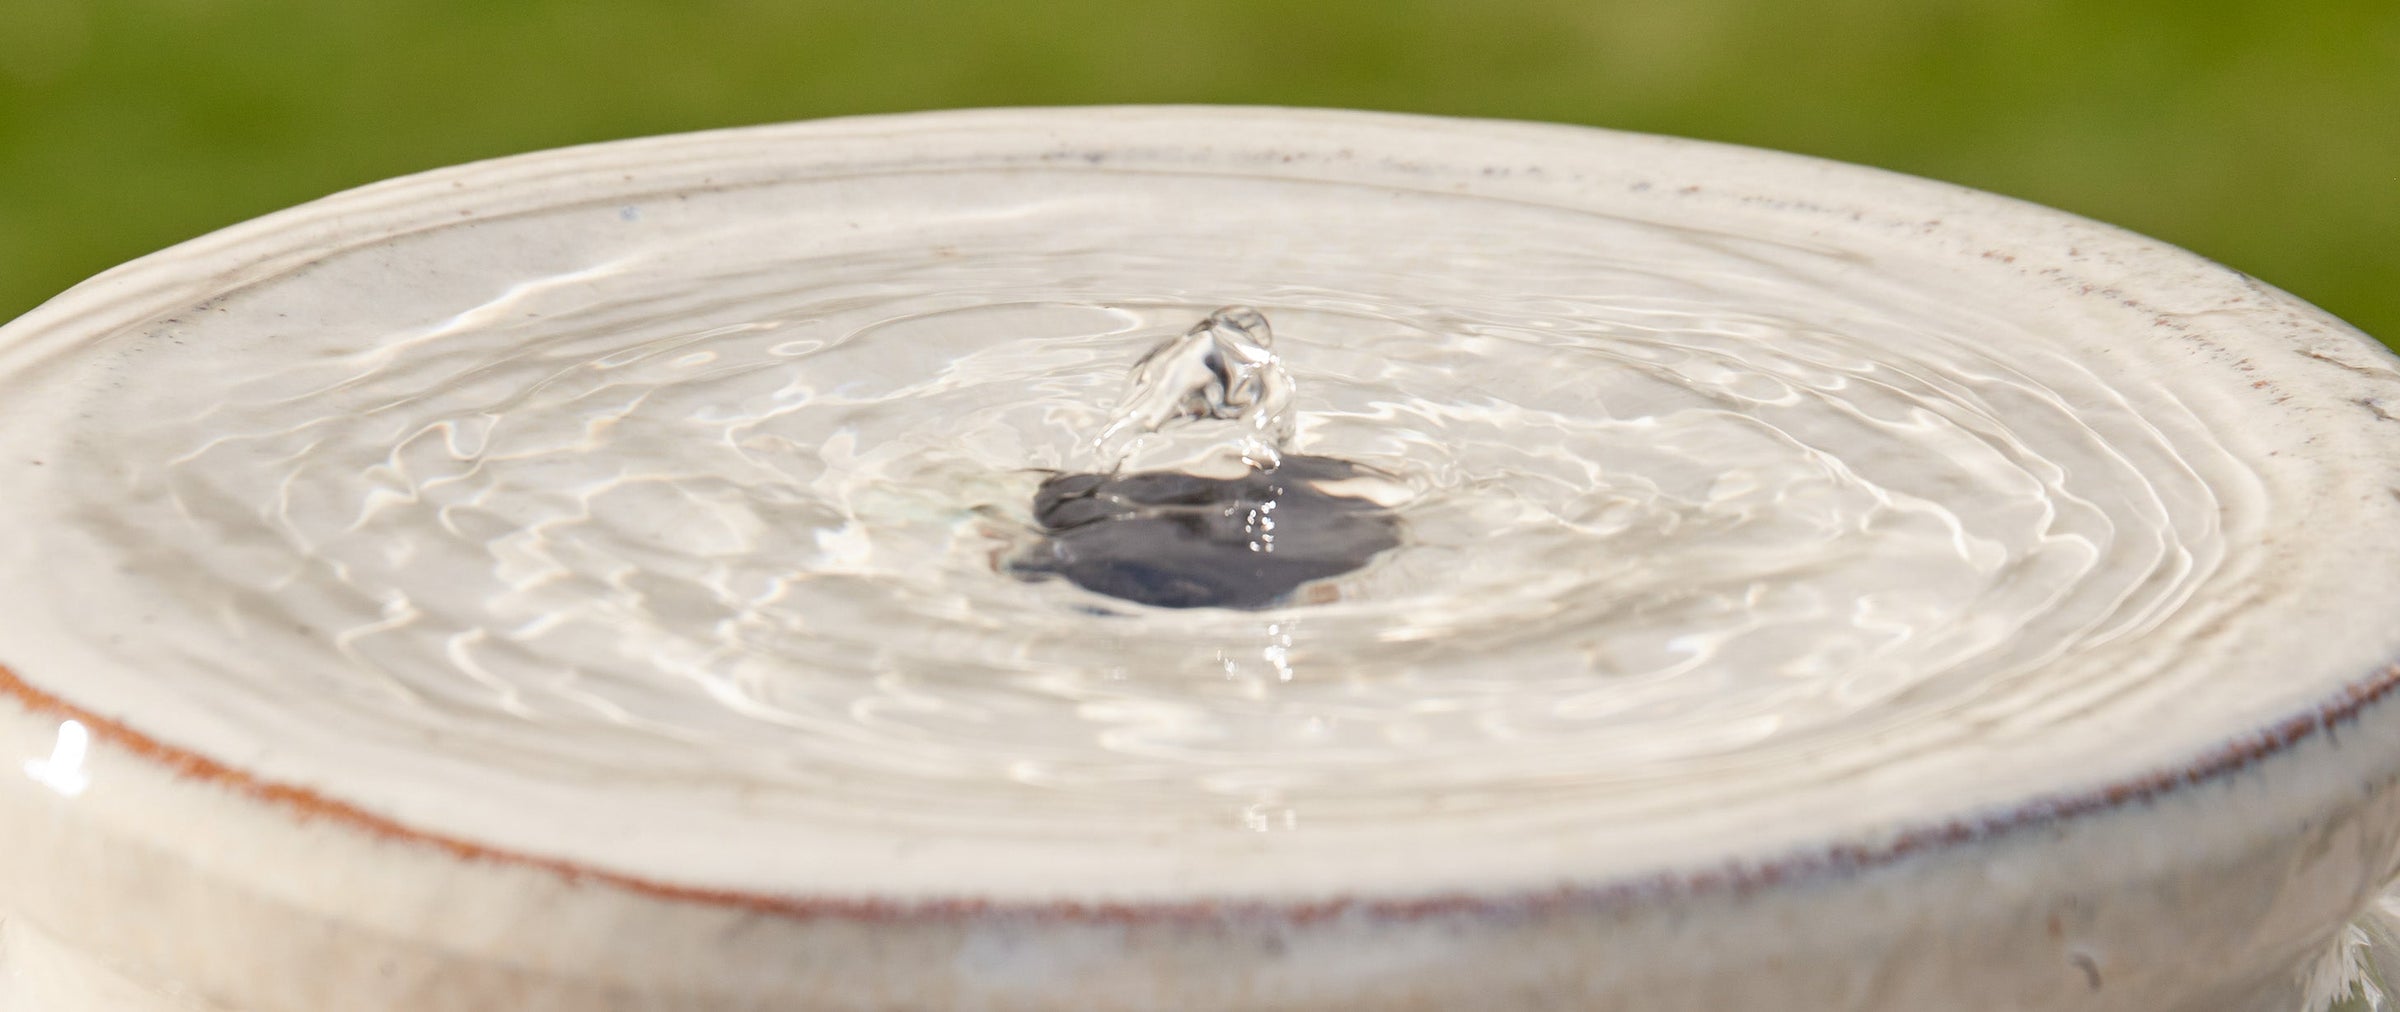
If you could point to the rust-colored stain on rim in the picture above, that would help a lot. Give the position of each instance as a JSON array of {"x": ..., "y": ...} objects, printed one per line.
[{"x": 305, "y": 804}]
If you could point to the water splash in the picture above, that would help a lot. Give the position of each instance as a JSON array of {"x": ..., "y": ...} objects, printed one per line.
[
  {"x": 1247, "y": 536},
  {"x": 1223, "y": 369}
]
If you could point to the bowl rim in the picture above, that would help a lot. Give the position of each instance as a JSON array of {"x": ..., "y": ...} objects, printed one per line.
[{"x": 1790, "y": 868}]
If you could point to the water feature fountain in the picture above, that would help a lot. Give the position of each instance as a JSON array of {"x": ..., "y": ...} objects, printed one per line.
[
  {"x": 1249, "y": 535},
  {"x": 732, "y": 572}
]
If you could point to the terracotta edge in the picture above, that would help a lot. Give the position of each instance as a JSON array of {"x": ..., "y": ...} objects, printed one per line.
[{"x": 1836, "y": 860}]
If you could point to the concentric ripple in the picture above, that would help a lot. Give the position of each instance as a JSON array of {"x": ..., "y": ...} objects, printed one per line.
[{"x": 671, "y": 529}]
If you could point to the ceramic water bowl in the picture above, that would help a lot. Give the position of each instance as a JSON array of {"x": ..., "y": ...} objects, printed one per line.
[{"x": 568, "y": 583}]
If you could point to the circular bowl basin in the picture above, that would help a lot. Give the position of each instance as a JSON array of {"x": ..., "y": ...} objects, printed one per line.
[{"x": 570, "y": 582}]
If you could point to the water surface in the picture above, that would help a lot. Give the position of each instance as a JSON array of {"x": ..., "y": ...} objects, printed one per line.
[{"x": 702, "y": 506}]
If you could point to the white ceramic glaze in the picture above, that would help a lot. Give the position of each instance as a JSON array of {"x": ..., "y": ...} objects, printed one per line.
[{"x": 2172, "y": 812}]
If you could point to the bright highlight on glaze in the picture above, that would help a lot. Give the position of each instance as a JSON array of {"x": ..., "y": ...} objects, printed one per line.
[{"x": 63, "y": 770}]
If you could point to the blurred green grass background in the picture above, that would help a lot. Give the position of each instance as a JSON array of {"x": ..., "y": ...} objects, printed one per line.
[{"x": 2265, "y": 136}]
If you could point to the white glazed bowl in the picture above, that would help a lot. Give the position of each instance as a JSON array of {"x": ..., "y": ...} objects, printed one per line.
[{"x": 148, "y": 856}]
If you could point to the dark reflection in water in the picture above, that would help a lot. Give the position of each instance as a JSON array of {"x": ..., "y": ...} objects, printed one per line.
[{"x": 1177, "y": 540}]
